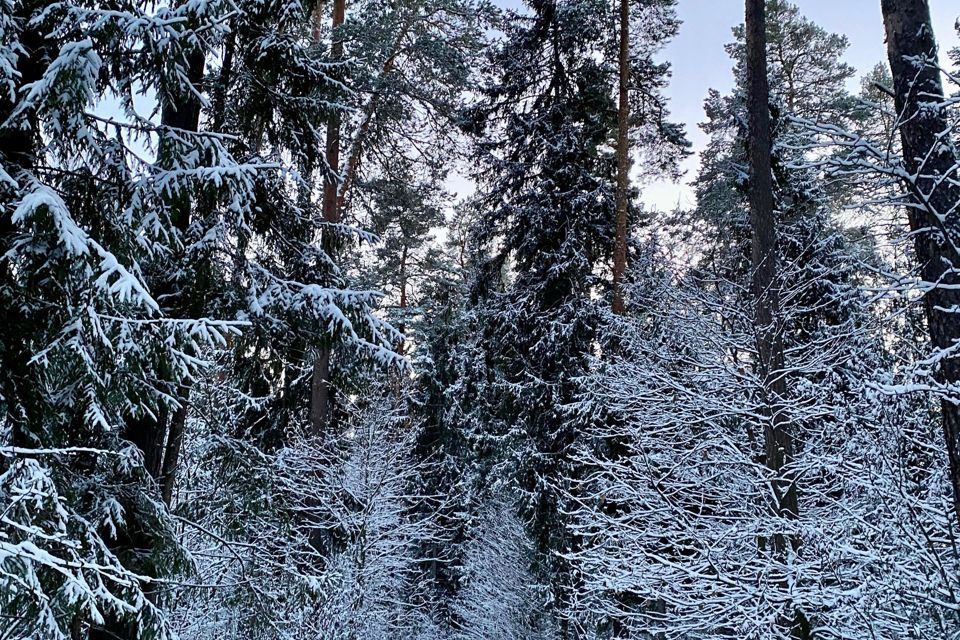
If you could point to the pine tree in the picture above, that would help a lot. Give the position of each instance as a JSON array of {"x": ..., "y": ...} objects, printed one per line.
[
  {"x": 261, "y": 377},
  {"x": 778, "y": 432},
  {"x": 547, "y": 201},
  {"x": 933, "y": 167},
  {"x": 445, "y": 411},
  {"x": 298, "y": 298},
  {"x": 676, "y": 521},
  {"x": 412, "y": 61}
]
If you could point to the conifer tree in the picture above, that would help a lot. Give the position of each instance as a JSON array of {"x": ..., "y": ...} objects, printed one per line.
[
  {"x": 90, "y": 346},
  {"x": 661, "y": 517},
  {"x": 263, "y": 378},
  {"x": 119, "y": 258},
  {"x": 933, "y": 190},
  {"x": 547, "y": 203}
]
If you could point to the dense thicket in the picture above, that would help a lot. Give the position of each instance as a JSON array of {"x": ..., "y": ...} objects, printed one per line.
[{"x": 344, "y": 320}]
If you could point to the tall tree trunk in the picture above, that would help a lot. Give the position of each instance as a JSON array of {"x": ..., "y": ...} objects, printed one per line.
[
  {"x": 623, "y": 161},
  {"x": 335, "y": 194},
  {"x": 778, "y": 443},
  {"x": 331, "y": 212},
  {"x": 159, "y": 438},
  {"x": 402, "y": 328},
  {"x": 764, "y": 258},
  {"x": 934, "y": 187},
  {"x": 320, "y": 387},
  {"x": 148, "y": 433},
  {"x": 171, "y": 456},
  {"x": 625, "y": 600}
]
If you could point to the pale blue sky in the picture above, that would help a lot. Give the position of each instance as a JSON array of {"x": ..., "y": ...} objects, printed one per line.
[{"x": 700, "y": 63}]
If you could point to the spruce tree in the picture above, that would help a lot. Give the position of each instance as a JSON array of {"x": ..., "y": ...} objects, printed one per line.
[
  {"x": 89, "y": 347},
  {"x": 548, "y": 214},
  {"x": 132, "y": 267}
]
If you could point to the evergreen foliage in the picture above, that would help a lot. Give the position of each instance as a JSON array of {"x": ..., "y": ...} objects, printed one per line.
[{"x": 208, "y": 207}]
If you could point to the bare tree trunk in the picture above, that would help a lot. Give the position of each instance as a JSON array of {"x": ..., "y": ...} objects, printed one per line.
[
  {"x": 320, "y": 387},
  {"x": 620, "y": 242},
  {"x": 331, "y": 212},
  {"x": 778, "y": 443},
  {"x": 402, "y": 328},
  {"x": 932, "y": 162},
  {"x": 335, "y": 195},
  {"x": 623, "y": 161},
  {"x": 171, "y": 456}
]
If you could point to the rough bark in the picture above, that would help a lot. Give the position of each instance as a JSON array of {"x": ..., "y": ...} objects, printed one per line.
[
  {"x": 764, "y": 258},
  {"x": 171, "y": 456},
  {"x": 320, "y": 387},
  {"x": 623, "y": 161},
  {"x": 778, "y": 442},
  {"x": 933, "y": 214}
]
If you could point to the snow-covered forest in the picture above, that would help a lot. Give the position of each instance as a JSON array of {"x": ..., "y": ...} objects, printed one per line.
[{"x": 345, "y": 320}]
